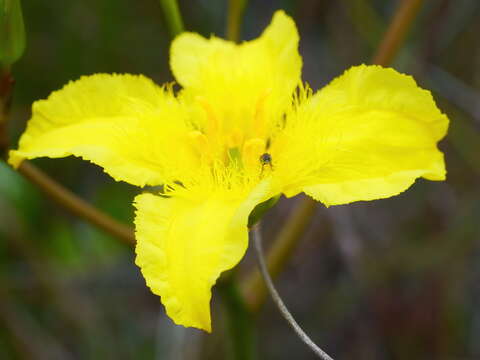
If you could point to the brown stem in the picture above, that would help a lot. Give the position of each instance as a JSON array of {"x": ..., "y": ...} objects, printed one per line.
[
  {"x": 397, "y": 31},
  {"x": 75, "y": 204},
  {"x": 6, "y": 90}
]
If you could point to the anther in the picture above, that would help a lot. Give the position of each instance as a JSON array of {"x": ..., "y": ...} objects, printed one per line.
[
  {"x": 213, "y": 123},
  {"x": 199, "y": 143}
]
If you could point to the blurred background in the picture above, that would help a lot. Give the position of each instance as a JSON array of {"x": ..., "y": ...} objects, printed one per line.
[{"x": 389, "y": 279}]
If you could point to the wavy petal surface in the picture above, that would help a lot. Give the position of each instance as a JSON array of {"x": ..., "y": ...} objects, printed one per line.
[
  {"x": 367, "y": 135},
  {"x": 186, "y": 241},
  {"x": 242, "y": 86},
  {"x": 131, "y": 127}
]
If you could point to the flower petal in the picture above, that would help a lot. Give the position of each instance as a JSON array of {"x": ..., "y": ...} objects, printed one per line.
[
  {"x": 124, "y": 123},
  {"x": 367, "y": 135},
  {"x": 185, "y": 242},
  {"x": 236, "y": 81}
]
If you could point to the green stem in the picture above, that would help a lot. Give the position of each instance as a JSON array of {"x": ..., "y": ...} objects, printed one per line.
[
  {"x": 173, "y": 16},
  {"x": 234, "y": 19},
  {"x": 239, "y": 320}
]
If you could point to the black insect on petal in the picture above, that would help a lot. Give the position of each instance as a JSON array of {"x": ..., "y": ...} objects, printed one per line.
[{"x": 266, "y": 159}]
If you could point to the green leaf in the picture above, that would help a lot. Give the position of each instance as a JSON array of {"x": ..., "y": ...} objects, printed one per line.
[
  {"x": 261, "y": 209},
  {"x": 12, "y": 32}
]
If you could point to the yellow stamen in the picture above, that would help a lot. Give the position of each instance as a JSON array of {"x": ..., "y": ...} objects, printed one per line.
[
  {"x": 200, "y": 144},
  {"x": 213, "y": 124},
  {"x": 236, "y": 138},
  {"x": 252, "y": 150}
]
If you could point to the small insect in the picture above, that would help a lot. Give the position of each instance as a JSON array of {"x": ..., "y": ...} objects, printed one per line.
[{"x": 266, "y": 160}]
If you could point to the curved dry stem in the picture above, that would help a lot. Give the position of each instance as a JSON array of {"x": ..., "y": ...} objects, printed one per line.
[
  {"x": 253, "y": 287},
  {"x": 257, "y": 241}
]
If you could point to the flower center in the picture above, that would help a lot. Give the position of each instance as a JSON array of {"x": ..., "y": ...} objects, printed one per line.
[{"x": 240, "y": 144}]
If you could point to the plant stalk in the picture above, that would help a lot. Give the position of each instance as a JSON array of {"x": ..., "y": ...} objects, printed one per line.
[
  {"x": 236, "y": 9},
  {"x": 397, "y": 31},
  {"x": 173, "y": 17},
  {"x": 278, "y": 255},
  {"x": 257, "y": 241},
  {"x": 75, "y": 204}
]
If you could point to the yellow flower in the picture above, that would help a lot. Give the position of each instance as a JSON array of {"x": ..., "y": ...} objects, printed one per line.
[{"x": 242, "y": 130}]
